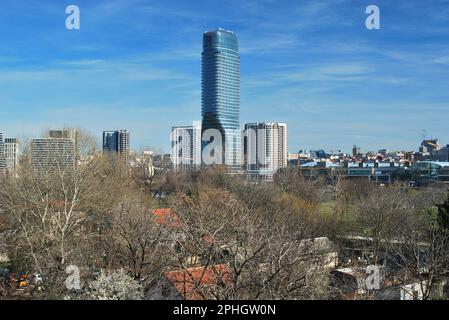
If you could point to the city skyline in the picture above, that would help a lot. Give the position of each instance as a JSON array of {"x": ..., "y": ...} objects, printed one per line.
[{"x": 311, "y": 64}]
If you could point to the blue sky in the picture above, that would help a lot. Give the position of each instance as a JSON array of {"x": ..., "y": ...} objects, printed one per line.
[{"x": 136, "y": 64}]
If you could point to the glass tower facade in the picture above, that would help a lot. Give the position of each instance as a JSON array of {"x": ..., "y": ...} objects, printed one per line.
[
  {"x": 117, "y": 142},
  {"x": 221, "y": 92}
]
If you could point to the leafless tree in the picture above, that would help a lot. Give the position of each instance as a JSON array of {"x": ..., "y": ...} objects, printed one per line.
[
  {"x": 421, "y": 251},
  {"x": 267, "y": 252},
  {"x": 55, "y": 214},
  {"x": 380, "y": 214},
  {"x": 140, "y": 238}
]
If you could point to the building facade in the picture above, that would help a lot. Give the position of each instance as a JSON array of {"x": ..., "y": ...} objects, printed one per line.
[
  {"x": 2, "y": 155},
  {"x": 430, "y": 172},
  {"x": 356, "y": 151},
  {"x": 117, "y": 142},
  {"x": 52, "y": 154},
  {"x": 12, "y": 155},
  {"x": 221, "y": 95},
  {"x": 441, "y": 154},
  {"x": 68, "y": 133},
  {"x": 186, "y": 147},
  {"x": 265, "y": 149}
]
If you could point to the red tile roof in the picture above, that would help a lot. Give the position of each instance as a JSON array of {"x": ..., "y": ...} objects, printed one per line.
[
  {"x": 166, "y": 216},
  {"x": 190, "y": 282}
]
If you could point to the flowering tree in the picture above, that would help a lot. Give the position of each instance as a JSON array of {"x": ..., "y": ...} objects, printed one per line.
[{"x": 115, "y": 286}]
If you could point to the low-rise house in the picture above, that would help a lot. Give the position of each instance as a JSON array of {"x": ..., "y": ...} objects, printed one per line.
[
  {"x": 405, "y": 291},
  {"x": 358, "y": 283},
  {"x": 197, "y": 283}
]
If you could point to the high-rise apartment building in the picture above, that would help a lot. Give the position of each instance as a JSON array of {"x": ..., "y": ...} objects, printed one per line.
[
  {"x": 12, "y": 155},
  {"x": 52, "y": 154},
  {"x": 2, "y": 155},
  {"x": 186, "y": 147},
  {"x": 117, "y": 142},
  {"x": 221, "y": 93},
  {"x": 356, "y": 151},
  {"x": 265, "y": 149},
  {"x": 67, "y": 133}
]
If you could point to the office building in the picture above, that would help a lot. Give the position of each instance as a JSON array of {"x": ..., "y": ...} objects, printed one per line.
[
  {"x": 265, "y": 149},
  {"x": 117, "y": 142},
  {"x": 52, "y": 154},
  {"x": 186, "y": 147},
  {"x": 221, "y": 94}
]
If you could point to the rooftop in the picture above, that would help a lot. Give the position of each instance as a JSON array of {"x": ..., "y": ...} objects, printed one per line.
[
  {"x": 190, "y": 283},
  {"x": 167, "y": 217}
]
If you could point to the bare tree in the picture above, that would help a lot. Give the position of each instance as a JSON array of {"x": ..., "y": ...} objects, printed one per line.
[
  {"x": 269, "y": 254},
  {"x": 140, "y": 238},
  {"x": 380, "y": 214},
  {"x": 55, "y": 212},
  {"x": 421, "y": 250}
]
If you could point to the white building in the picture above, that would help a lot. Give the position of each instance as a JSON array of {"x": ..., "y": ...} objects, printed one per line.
[
  {"x": 2, "y": 155},
  {"x": 52, "y": 154},
  {"x": 12, "y": 155},
  {"x": 265, "y": 149},
  {"x": 186, "y": 147}
]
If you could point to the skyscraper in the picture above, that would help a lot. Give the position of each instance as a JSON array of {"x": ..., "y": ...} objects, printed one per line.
[
  {"x": 265, "y": 149},
  {"x": 356, "y": 151},
  {"x": 186, "y": 147},
  {"x": 2, "y": 155},
  {"x": 221, "y": 92},
  {"x": 117, "y": 142}
]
